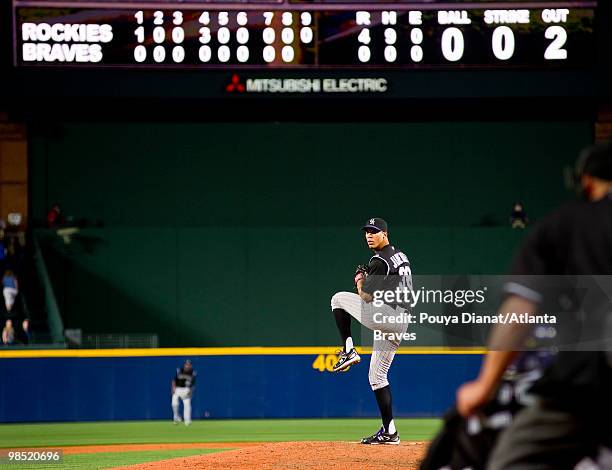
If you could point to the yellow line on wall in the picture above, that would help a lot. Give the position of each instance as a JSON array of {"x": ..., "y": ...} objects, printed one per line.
[{"x": 238, "y": 351}]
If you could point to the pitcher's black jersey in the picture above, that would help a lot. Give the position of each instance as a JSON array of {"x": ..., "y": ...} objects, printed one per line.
[{"x": 389, "y": 269}]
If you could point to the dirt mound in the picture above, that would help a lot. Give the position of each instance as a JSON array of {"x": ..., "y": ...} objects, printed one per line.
[{"x": 302, "y": 456}]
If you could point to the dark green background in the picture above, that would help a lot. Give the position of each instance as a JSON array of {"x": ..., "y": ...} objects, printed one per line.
[{"x": 238, "y": 234}]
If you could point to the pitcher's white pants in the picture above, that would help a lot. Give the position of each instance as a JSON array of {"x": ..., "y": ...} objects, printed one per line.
[
  {"x": 184, "y": 393},
  {"x": 376, "y": 319}
]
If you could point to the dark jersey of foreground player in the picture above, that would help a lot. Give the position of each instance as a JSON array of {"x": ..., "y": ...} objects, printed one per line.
[{"x": 574, "y": 240}]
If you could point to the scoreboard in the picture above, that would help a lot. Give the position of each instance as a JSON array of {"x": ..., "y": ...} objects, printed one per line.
[{"x": 304, "y": 34}]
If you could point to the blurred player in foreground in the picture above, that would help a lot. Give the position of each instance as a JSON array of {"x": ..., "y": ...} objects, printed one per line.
[
  {"x": 387, "y": 270},
  {"x": 183, "y": 385},
  {"x": 572, "y": 415}
]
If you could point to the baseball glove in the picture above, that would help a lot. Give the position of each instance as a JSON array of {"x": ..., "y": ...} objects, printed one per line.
[{"x": 360, "y": 273}]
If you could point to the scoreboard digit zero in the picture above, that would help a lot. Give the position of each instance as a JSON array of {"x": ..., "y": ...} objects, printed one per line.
[{"x": 301, "y": 34}]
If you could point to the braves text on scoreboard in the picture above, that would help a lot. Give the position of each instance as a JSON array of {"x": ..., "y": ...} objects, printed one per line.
[{"x": 304, "y": 34}]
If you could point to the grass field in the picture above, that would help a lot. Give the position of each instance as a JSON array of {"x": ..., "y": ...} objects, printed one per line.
[{"x": 147, "y": 432}]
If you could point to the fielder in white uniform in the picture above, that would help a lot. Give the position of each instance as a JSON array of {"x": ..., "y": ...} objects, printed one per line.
[{"x": 183, "y": 386}]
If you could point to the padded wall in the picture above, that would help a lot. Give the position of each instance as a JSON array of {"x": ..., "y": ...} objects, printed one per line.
[{"x": 260, "y": 386}]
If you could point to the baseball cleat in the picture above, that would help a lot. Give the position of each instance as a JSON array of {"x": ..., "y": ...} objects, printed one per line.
[
  {"x": 382, "y": 437},
  {"x": 346, "y": 360}
]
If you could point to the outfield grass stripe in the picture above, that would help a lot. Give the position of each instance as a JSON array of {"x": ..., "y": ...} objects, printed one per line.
[
  {"x": 217, "y": 431},
  {"x": 240, "y": 351}
]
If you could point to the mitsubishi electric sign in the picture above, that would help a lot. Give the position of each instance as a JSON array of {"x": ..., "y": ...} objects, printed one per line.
[{"x": 306, "y": 85}]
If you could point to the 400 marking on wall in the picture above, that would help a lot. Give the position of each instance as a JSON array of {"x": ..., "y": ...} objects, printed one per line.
[{"x": 325, "y": 362}]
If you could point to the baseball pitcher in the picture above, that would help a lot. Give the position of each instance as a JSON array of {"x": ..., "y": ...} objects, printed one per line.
[{"x": 388, "y": 271}]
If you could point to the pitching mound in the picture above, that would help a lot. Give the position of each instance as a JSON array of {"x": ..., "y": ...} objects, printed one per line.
[{"x": 303, "y": 456}]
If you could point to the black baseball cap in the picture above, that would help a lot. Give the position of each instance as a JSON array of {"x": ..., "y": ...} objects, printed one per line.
[
  {"x": 596, "y": 161},
  {"x": 375, "y": 223}
]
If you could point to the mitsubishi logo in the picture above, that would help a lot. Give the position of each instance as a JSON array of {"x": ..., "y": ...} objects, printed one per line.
[{"x": 235, "y": 85}]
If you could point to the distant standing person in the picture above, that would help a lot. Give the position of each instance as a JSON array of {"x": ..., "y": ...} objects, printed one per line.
[
  {"x": 26, "y": 336},
  {"x": 8, "y": 333},
  {"x": 183, "y": 386},
  {"x": 10, "y": 289},
  {"x": 518, "y": 216},
  {"x": 55, "y": 218}
]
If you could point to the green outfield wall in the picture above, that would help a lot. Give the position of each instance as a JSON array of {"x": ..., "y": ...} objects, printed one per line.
[{"x": 238, "y": 234}]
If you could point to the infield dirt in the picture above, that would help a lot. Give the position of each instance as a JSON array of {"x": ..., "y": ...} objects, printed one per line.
[{"x": 298, "y": 456}]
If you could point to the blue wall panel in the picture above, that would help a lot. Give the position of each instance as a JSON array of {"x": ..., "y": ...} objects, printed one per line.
[{"x": 259, "y": 386}]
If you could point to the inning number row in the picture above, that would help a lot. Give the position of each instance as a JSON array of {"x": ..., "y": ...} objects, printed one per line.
[{"x": 223, "y": 36}]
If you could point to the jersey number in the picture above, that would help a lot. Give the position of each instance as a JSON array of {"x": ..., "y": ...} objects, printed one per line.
[{"x": 406, "y": 282}]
